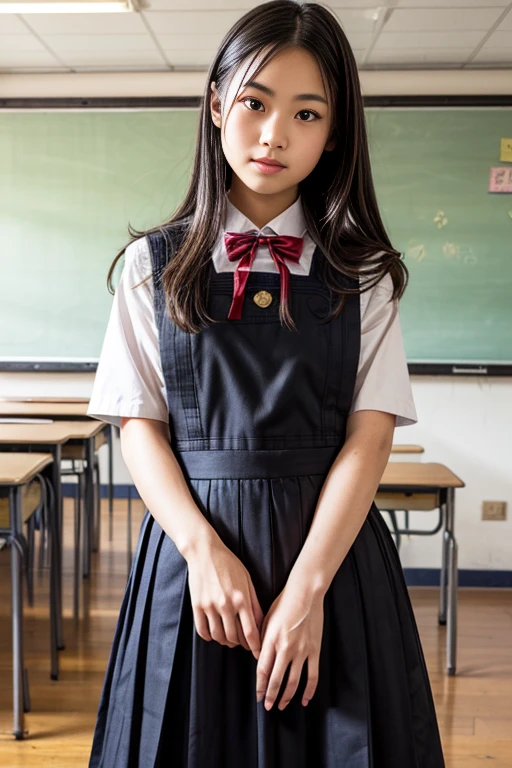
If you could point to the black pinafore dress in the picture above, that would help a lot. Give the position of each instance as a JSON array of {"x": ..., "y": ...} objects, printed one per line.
[{"x": 257, "y": 414}]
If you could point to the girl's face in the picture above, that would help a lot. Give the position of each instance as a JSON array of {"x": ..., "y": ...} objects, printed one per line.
[{"x": 283, "y": 114}]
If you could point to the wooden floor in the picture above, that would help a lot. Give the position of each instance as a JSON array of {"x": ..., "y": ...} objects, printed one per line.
[{"x": 474, "y": 708}]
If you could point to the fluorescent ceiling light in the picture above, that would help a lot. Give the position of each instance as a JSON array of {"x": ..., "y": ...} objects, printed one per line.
[{"x": 66, "y": 6}]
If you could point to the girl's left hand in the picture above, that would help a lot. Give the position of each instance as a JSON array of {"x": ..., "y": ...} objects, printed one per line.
[{"x": 291, "y": 632}]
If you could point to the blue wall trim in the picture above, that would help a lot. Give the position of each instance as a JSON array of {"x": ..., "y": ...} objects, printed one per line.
[
  {"x": 430, "y": 577},
  {"x": 414, "y": 577},
  {"x": 120, "y": 490}
]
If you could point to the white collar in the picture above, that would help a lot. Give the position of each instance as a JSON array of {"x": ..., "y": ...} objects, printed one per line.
[{"x": 290, "y": 222}]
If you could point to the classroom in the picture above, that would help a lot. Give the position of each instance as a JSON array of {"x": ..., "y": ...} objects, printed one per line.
[{"x": 109, "y": 128}]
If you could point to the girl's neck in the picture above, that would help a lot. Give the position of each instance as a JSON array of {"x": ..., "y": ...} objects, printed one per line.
[{"x": 260, "y": 209}]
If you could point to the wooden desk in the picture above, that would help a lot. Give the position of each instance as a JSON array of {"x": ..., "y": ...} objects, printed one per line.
[
  {"x": 84, "y": 432},
  {"x": 75, "y": 408},
  {"x": 29, "y": 399},
  {"x": 50, "y": 410},
  {"x": 60, "y": 432},
  {"x": 17, "y": 470},
  {"x": 46, "y": 437},
  {"x": 396, "y": 447},
  {"x": 431, "y": 478},
  {"x": 51, "y": 437}
]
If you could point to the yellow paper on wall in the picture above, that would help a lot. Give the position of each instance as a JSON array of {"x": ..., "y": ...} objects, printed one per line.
[{"x": 506, "y": 151}]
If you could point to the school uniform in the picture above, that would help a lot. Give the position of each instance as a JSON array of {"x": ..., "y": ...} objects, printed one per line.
[{"x": 257, "y": 413}]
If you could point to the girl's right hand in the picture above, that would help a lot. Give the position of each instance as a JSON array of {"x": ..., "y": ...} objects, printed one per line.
[{"x": 224, "y": 601}]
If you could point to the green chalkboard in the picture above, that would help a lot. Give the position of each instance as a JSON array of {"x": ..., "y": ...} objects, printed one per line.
[
  {"x": 431, "y": 170},
  {"x": 71, "y": 180}
]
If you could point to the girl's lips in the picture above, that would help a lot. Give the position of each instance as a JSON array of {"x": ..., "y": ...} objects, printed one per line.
[{"x": 267, "y": 168}]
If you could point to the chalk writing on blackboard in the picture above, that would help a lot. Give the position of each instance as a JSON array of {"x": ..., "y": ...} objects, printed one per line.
[
  {"x": 416, "y": 252},
  {"x": 440, "y": 219},
  {"x": 459, "y": 252},
  {"x": 500, "y": 180}
]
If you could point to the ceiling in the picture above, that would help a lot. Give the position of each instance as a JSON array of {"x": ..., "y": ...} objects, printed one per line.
[{"x": 184, "y": 34}]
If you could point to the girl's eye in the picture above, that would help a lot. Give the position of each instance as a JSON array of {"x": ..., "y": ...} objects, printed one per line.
[
  {"x": 308, "y": 112},
  {"x": 253, "y": 100},
  {"x": 302, "y": 111}
]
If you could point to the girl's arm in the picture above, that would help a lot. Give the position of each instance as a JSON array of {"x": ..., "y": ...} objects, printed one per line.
[
  {"x": 347, "y": 495},
  {"x": 293, "y": 627},
  {"x": 220, "y": 585}
]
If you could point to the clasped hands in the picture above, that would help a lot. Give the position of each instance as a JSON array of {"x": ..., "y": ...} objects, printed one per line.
[{"x": 226, "y": 609}]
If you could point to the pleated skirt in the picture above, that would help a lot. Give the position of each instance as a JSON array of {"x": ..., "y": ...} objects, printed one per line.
[{"x": 172, "y": 699}]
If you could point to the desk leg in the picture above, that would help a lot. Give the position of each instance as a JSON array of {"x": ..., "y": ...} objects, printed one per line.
[
  {"x": 451, "y": 635},
  {"x": 57, "y": 554},
  {"x": 444, "y": 562},
  {"x": 97, "y": 503},
  {"x": 110, "y": 482},
  {"x": 89, "y": 507},
  {"x": 53, "y": 547},
  {"x": 17, "y": 612}
]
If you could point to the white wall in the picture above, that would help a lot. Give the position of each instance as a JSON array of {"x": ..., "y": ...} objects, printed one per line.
[{"x": 464, "y": 422}]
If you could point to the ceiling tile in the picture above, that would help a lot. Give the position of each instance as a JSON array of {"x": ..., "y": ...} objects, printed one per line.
[
  {"x": 25, "y": 42},
  {"x": 106, "y": 58},
  {"x": 499, "y": 39},
  {"x": 452, "y": 3},
  {"x": 185, "y": 23},
  {"x": 241, "y": 6},
  {"x": 27, "y": 59},
  {"x": 85, "y": 23},
  {"x": 360, "y": 20},
  {"x": 495, "y": 56},
  {"x": 100, "y": 44},
  {"x": 429, "y": 40},
  {"x": 354, "y": 4},
  {"x": 439, "y": 19},
  {"x": 190, "y": 58},
  {"x": 12, "y": 25},
  {"x": 507, "y": 23},
  {"x": 188, "y": 42},
  {"x": 414, "y": 56}
]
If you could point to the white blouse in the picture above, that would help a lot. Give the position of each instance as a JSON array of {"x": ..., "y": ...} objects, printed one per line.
[{"x": 129, "y": 379}]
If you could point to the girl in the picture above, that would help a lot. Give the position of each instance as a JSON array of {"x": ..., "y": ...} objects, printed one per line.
[{"x": 255, "y": 363}]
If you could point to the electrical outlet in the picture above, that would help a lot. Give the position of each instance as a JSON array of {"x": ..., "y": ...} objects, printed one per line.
[{"x": 494, "y": 510}]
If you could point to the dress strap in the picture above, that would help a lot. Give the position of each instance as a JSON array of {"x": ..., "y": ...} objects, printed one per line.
[
  {"x": 175, "y": 344},
  {"x": 352, "y": 345}
]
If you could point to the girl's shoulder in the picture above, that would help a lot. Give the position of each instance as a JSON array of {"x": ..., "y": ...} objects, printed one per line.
[
  {"x": 376, "y": 303},
  {"x": 137, "y": 261}
]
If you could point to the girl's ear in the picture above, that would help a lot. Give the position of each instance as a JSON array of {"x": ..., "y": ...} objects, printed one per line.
[
  {"x": 330, "y": 145},
  {"x": 215, "y": 107}
]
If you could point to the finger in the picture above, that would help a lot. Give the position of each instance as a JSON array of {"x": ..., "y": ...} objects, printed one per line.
[
  {"x": 310, "y": 688},
  {"x": 264, "y": 668},
  {"x": 250, "y": 630},
  {"x": 256, "y": 607},
  {"x": 293, "y": 682},
  {"x": 276, "y": 678},
  {"x": 230, "y": 628},
  {"x": 201, "y": 622},
  {"x": 216, "y": 627},
  {"x": 241, "y": 637}
]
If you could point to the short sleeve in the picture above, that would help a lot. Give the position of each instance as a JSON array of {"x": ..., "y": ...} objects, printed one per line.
[
  {"x": 382, "y": 382},
  {"x": 129, "y": 379}
]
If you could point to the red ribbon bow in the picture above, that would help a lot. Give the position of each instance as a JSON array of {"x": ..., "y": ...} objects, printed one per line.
[{"x": 242, "y": 246}]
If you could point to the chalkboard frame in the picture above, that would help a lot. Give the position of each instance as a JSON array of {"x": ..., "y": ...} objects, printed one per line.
[{"x": 193, "y": 102}]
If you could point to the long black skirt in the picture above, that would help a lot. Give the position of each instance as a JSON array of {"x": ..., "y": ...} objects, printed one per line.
[{"x": 172, "y": 699}]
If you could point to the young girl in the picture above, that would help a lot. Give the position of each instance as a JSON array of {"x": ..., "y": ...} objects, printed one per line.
[{"x": 255, "y": 363}]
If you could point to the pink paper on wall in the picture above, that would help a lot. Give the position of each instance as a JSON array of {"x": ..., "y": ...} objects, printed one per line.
[{"x": 500, "y": 180}]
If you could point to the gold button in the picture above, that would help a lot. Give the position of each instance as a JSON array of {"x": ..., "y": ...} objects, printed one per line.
[{"x": 262, "y": 298}]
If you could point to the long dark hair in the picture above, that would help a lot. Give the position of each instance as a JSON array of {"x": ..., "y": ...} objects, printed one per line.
[{"x": 338, "y": 196}]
